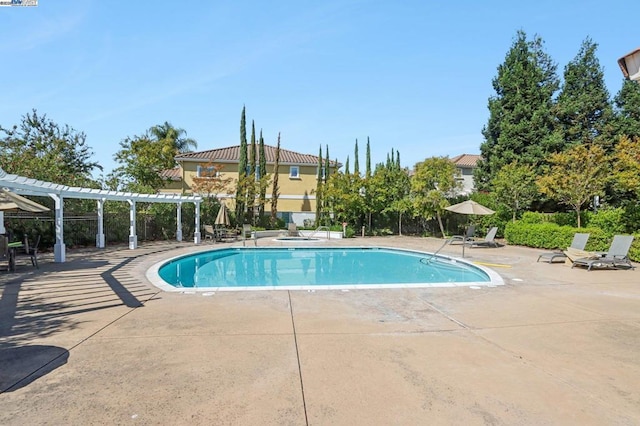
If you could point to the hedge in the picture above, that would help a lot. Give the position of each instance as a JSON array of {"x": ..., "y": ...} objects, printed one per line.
[{"x": 553, "y": 236}]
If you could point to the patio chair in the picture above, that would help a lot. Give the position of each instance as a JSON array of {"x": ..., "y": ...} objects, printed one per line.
[
  {"x": 209, "y": 232},
  {"x": 4, "y": 249},
  {"x": 579, "y": 242},
  {"x": 468, "y": 236},
  {"x": 489, "y": 240},
  {"x": 293, "y": 230},
  {"x": 615, "y": 257},
  {"x": 31, "y": 251}
]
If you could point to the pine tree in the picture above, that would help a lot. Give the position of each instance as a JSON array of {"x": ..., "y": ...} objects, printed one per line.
[
  {"x": 520, "y": 125},
  {"x": 584, "y": 111},
  {"x": 241, "y": 192},
  {"x": 627, "y": 114}
]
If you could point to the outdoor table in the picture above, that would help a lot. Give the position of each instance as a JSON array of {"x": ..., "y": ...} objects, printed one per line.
[{"x": 12, "y": 254}]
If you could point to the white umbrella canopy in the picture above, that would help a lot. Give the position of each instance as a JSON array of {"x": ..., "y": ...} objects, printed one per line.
[
  {"x": 470, "y": 207},
  {"x": 223, "y": 216},
  {"x": 12, "y": 201}
]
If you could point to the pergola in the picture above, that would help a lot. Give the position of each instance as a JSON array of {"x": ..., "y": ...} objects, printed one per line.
[{"x": 27, "y": 186}]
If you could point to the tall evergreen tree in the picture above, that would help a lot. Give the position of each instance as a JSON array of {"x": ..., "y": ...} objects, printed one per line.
[
  {"x": 275, "y": 189},
  {"x": 627, "y": 113},
  {"x": 584, "y": 111},
  {"x": 368, "y": 160},
  {"x": 346, "y": 167},
  {"x": 241, "y": 192},
  {"x": 319, "y": 182},
  {"x": 262, "y": 174},
  {"x": 327, "y": 168},
  {"x": 251, "y": 176},
  {"x": 356, "y": 162},
  {"x": 520, "y": 125}
]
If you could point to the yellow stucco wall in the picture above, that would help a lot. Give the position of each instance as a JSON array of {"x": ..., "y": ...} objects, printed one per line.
[{"x": 296, "y": 194}]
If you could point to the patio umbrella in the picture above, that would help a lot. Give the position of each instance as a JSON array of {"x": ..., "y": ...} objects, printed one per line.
[
  {"x": 469, "y": 207},
  {"x": 223, "y": 216},
  {"x": 12, "y": 201}
]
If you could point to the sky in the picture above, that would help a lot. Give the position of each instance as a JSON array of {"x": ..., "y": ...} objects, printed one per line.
[{"x": 413, "y": 76}]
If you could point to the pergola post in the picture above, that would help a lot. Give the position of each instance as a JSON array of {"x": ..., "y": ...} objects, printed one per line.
[
  {"x": 100, "y": 235},
  {"x": 179, "y": 221},
  {"x": 196, "y": 234},
  {"x": 133, "y": 237},
  {"x": 59, "y": 249}
]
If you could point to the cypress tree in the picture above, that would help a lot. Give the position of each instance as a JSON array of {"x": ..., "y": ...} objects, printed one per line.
[
  {"x": 520, "y": 125},
  {"x": 327, "y": 168},
  {"x": 368, "y": 160},
  {"x": 262, "y": 172},
  {"x": 319, "y": 189},
  {"x": 356, "y": 163},
  {"x": 275, "y": 189},
  {"x": 251, "y": 176},
  {"x": 241, "y": 192},
  {"x": 346, "y": 166}
]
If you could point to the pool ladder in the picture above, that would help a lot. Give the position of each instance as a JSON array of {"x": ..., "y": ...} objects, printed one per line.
[
  {"x": 320, "y": 229},
  {"x": 433, "y": 255}
]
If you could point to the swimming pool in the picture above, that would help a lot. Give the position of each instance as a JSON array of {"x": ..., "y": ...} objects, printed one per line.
[{"x": 245, "y": 268}]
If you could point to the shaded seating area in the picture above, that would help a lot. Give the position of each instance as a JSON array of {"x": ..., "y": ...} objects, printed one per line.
[
  {"x": 578, "y": 243},
  {"x": 615, "y": 258}
]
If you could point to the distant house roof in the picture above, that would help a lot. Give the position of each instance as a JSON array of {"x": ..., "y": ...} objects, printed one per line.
[
  {"x": 231, "y": 154},
  {"x": 172, "y": 174},
  {"x": 466, "y": 160}
]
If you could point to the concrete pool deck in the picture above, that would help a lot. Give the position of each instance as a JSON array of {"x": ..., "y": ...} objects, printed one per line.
[{"x": 91, "y": 341}]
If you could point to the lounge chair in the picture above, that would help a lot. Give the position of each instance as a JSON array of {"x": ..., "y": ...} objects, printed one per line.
[
  {"x": 489, "y": 240},
  {"x": 468, "y": 236},
  {"x": 579, "y": 242},
  {"x": 615, "y": 257},
  {"x": 293, "y": 230}
]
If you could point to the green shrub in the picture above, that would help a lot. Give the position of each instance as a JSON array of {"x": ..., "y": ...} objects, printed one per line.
[
  {"x": 553, "y": 236},
  {"x": 610, "y": 220}
]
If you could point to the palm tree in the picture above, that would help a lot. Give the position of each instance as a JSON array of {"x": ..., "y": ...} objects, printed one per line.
[{"x": 176, "y": 136}]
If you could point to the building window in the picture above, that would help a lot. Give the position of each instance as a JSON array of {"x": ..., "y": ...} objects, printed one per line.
[
  {"x": 294, "y": 172},
  {"x": 324, "y": 173},
  {"x": 209, "y": 171}
]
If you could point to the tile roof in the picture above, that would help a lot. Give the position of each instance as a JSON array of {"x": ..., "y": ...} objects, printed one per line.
[
  {"x": 466, "y": 160},
  {"x": 231, "y": 154},
  {"x": 172, "y": 174}
]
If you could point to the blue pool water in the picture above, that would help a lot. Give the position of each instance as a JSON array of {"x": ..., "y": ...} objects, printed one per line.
[{"x": 316, "y": 267}]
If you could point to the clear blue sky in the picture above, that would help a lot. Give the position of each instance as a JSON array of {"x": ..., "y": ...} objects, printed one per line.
[{"x": 411, "y": 75}]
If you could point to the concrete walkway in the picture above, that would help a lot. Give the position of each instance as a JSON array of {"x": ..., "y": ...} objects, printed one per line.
[{"x": 91, "y": 341}]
